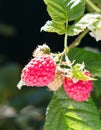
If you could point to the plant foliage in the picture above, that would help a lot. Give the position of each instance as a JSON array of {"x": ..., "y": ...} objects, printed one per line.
[{"x": 64, "y": 113}]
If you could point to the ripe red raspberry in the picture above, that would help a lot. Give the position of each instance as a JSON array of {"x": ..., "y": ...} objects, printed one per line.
[
  {"x": 80, "y": 90},
  {"x": 40, "y": 71}
]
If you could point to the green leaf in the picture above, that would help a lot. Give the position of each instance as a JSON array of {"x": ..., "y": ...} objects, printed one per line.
[
  {"x": 62, "y": 11},
  {"x": 92, "y": 60},
  {"x": 78, "y": 73},
  {"x": 75, "y": 9},
  {"x": 51, "y": 26},
  {"x": 97, "y": 88},
  {"x": 66, "y": 114},
  {"x": 87, "y": 21}
]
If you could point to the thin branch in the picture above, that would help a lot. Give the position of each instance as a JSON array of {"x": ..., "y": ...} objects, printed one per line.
[
  {"x": 78, "y": 39},
  {"x": 93, "y": 6}
]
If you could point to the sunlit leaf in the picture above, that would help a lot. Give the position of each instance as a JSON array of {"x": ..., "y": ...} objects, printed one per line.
[
  {"x": 87, "y": 21},
  {"x": 62, "y": 11},
  {"x": 66, "y": 114},
  {"x": 51, "y": 26}
]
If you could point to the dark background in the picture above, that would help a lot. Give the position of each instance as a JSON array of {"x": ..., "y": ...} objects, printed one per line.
[{"x": 27, "y": 17}]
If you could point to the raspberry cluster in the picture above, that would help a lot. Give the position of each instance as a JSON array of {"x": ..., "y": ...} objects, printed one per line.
[{"x": 44, "y": 70}]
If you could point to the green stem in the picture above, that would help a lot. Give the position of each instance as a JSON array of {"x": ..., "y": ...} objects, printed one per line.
[
  {"x": 65, "y": 40},
  {"x": 92, "y": 5},
  {"x": 78, "y": 39}
]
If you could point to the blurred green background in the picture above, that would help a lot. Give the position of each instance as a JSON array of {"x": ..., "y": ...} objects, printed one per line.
[{"x": 20, "y": 23}]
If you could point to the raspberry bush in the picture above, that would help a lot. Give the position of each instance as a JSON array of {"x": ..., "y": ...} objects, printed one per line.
[{"x": 69, "y": 74}]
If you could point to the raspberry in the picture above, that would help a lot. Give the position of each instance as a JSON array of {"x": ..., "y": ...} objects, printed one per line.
[
  {"x": 79, "y": 91},
  {"x": 40, "y": 71},
  {"x": 57, "y": 83}
]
